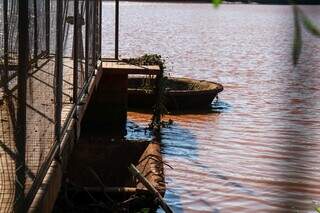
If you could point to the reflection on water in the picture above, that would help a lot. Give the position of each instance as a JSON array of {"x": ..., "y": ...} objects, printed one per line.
[
  {"x": 258, "y": 148},
  {"x": 137, "y": 132},
  {"x": 220, "y": 106}
]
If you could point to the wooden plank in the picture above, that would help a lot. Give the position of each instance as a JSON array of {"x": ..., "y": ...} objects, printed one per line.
[{"x": 119, "y": 67}]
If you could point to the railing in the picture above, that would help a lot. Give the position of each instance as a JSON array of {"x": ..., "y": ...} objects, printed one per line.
[{"x": 48, "y": 51}]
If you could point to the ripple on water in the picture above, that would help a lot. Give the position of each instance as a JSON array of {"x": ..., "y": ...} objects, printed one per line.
[{"x": 257, "y": 149}]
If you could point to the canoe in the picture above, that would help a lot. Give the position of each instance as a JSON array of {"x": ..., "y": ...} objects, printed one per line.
[
  {"x": 180, "y": 93},
  {"x": 99, "y": 168}
]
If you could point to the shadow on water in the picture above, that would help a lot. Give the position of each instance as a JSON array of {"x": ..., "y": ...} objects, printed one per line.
[
  {"x": 174, "y": 196},
  {"x": 219, "y": 106},
  {"x": 299, "y": 124},
  {"x": 175, "y": 140},
  {"x": 179, "y": 142},
  {"x": 137, "y": 132}
]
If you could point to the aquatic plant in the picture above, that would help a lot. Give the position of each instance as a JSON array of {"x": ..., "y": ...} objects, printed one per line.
[{"x": 146, "y": 59}]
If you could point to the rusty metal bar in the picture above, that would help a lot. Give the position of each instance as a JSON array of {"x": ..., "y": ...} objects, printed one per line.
[
  {"x": 72, "y": 113},
  {"x": 75, "y": 49},
  {"x": 35, "y": 33},
  {"x": 59, "y": 70},
  {"x": 23, "y": 54},
  {"x": 5, "y": 78},
  {"x": 100, "y": 26},
  {"x": 6, "y": 37},
  {"x": 86, "y": 72},
  {"x": 116, "y": 43},
  {"x": 94, "y": 41},
  {"x": 47, "y": 12}
]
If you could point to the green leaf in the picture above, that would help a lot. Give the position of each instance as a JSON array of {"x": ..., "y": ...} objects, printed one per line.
[
  {"x": 216, "y": 3},
  {"x": 309, "y": 25},
  {"x": 317, "y": 209},
  {"x": 297, "y": 41}
]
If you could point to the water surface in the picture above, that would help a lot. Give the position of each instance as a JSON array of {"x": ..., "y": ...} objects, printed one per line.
[{"x": 257, "y": 149}]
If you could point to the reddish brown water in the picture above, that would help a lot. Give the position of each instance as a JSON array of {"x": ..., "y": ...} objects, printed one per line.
[{"x": 258, "y": 148}]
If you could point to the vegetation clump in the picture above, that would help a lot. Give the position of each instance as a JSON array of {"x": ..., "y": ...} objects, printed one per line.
[{"x": 147, "y": 59}]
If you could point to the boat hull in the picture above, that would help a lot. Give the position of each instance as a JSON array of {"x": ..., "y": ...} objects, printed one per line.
[
  {"x": 188, "y": 94},
  {"x": 99, "y": 165}
]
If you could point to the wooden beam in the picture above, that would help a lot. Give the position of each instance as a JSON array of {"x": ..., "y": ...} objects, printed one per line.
[
  {"x": 150, "y": 187},
  {"x": 118, "y": 67}
]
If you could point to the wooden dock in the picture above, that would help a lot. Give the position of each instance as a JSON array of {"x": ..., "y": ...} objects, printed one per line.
[
  {"x": 108, "y": 110},
  {"x": 40, "y": 122}
]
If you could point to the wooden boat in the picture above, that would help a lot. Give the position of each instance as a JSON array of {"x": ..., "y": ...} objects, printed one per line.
[
  {"x": 99, "y": 169},
  {"x": 180, "y": 93}
]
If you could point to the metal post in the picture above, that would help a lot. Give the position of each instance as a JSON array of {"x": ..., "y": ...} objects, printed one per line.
[
  {"x": 35, "y": 38},
  {"x": 94, "y": 41},
  {"x": 47, "y": 10},
  {"x": 75, "y": 50},
  {"x": 58, "y": 71},
  {"x": 86, "y": 71},
  {"x": 5, "y": 74},
  {"x": 5, "y": 32},
  {"x": 116, "y": 44},
  {"x": 100, "y": 33},
  {"x": 23, "y": 41}
]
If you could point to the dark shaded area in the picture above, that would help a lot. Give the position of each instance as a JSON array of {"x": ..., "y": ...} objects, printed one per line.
[
  {"x": 217, "y": 106},
  {"x": 107, "y": 109},
  {"x": 108, "y": 157},
  {"x": 102, "y": 181}
]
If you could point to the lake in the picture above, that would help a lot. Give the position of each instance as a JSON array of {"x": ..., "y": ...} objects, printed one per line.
[{"x": 257, "y": 149}]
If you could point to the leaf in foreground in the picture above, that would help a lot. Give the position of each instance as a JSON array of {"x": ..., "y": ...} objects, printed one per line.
[
  {"x": 310, "y": 26},
  {"x": 297, "y": 41},
  {"x": 216, "y": 3}
]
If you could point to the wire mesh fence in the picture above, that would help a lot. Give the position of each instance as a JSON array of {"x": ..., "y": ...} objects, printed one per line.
[{"x": 48, "y": 53}]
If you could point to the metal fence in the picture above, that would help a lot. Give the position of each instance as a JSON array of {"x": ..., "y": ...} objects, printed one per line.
[{"x": 48, "y": 53}]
